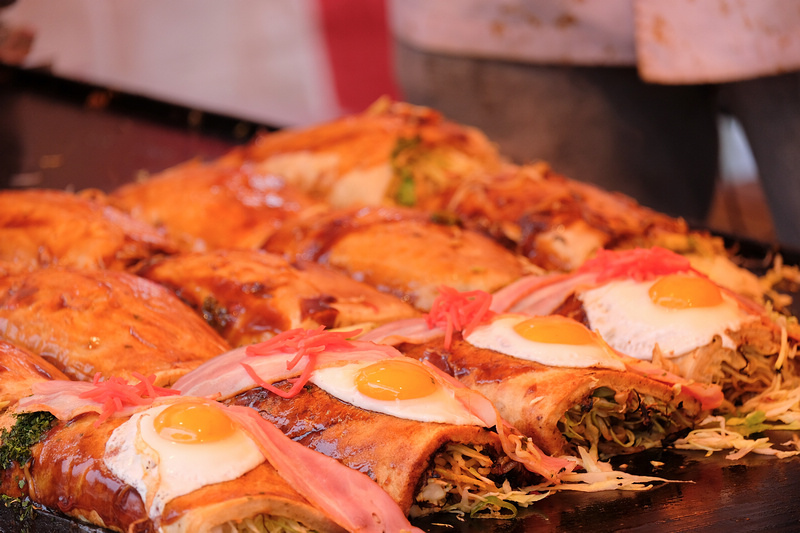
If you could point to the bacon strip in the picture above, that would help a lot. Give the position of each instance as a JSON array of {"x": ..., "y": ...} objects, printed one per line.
[
  {"x": 411, "y": 330},
  {"x": 235, "y": 371},
  {"x": 538, "y": 295},
  {"x": 113, "y": 397},
  {"x": 349, "y": 497},
  {"x": 709, "y": 395}
]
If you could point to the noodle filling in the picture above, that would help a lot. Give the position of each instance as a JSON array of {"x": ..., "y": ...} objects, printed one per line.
[
  {"x": 616, "y": 423},
  {"x": 466, "y": 479}
]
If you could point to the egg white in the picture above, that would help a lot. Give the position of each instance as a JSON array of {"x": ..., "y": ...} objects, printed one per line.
[
  {"x": 161, "y": 470},
  {"x": 440, "y": 406},
  {"x": 625, "y": 316},
  {"x": 499, "y": 335}
]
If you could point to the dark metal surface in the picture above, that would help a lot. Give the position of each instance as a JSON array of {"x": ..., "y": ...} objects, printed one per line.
[{"x": 76, "y": 136}]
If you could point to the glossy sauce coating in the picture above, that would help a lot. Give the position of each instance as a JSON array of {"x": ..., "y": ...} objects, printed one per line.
[{"x": 104, "y": 321}]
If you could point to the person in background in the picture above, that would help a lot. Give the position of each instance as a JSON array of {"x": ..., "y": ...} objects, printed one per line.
[
  {"x": 15, "y": 43},
  {"x": 622, "y": 93}
]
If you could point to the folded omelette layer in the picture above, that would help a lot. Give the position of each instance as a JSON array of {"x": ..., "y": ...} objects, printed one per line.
[
  {"x": 558, "y": 406},
  {"x": 398, "y": 454}
]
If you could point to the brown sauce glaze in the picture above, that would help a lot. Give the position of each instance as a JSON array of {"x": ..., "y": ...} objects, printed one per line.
[
  {"x": 463, "y": 359},
  {"x": 394, "y": 451},
  {"x": 572, "y": 307},
  {"x": 310, "y": 239},
  {"x": 83, "y": 483}
]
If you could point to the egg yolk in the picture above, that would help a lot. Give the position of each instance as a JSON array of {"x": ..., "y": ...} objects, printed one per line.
[
  {"x": 395, "y": 380},
  {"x": 193, "y": 423},
  {"x": 555, "y": 329},
  {"x": 682, "y": 292}
]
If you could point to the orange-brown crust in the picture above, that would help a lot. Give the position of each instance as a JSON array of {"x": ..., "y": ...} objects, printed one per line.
[
  {"x": 400, "y": 251},
  {"x": 40, "y": 227},
  {"x": 249, "y": 296},
  {"x": 533, "y": 397},
  {"x": 104, "y": 321},
  {"x": 19, "y": 370},
  {"x": 207, "y": 207},
  {"x": 369, "y": 140},
  {"x": 260, "y": 491},
  {"x": 394, "y": 452},
  {"x": 67, "y": 474},
  {"x": 520, "y": 204}
]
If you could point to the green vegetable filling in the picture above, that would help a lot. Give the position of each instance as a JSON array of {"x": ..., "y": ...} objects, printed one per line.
[
  {"x": 15, "y": 443},
  {"x": 402, "y": 161},
  {"x": 621, "y": 423},
  {"x": 465, "y": 479}
]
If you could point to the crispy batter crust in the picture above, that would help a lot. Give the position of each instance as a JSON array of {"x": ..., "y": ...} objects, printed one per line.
[
  {"x": 534, "y": 397},
  {"x": 210, "y": 207},
  {"x": 104, "y": 321},
  {"x": 19, "y": 369},
  {"x": 40, "y": 227},
  {"x": 249, "y": 296},
  {"x": 395, "y": 452},
  {"x": 400, "y": 251}
]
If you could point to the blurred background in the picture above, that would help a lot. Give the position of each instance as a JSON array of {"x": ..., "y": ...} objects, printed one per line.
[{"x": 104, "y": 90}]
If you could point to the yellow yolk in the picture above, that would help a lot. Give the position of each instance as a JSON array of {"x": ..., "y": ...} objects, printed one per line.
[
  {"x": 678, "y": 291},
  {"x": 193, "y": 423},
  {"x": 555, "y": 330},
  {"x": 395, "y": 380}
]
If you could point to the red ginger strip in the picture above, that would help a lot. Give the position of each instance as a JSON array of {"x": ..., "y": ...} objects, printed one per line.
[
  {"x": 458, "y": 311},
  {"x": 639, "y": 264},
  {"x": 114, "y": 394},
  {"x": 301, "y": 342}
]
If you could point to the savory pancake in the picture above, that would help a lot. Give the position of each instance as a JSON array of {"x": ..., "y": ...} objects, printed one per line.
[
  {"x": 209, "y": 207},
  {"x": 19, "y": 370},
  {"x": 400, "y": 251},
  {"x": 563, "y": 408},
  {"x": 652, "y": 305},
  {"x": 391, "y": 154},
  {"x": 40, "y": 228},
  {"x": 104, "y": 321},
  {"x": 249, "y": 296}
]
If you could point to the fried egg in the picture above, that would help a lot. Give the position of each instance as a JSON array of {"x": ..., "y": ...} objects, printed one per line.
[
  {"x": 174, "y": 449},
  {"x": 678, "y": 313},
  {"x": 400, "y": 387},
  {"x": 549, "y": 340}
]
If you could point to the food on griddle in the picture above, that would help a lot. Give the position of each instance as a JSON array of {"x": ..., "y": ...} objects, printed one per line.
[
  {"x": 42, "y": 228},
  {"x": 391, "y": 154},
  {"x": 208, "y": 208},
  {"x": 401, "y": 251},
  {"x": 423, "y": 438},
  {"x": 550, "y": 377},
  {"x": 652, "y": 305},
  {"x": 248, "y": 296},
  {"x": 112, "y": 322},
  {"x": 137, "y": 457},
  {"x": 372, "y": 219}
]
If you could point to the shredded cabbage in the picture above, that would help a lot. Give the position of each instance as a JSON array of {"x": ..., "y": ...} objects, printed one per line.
[
  {"x": 621, "y": 422},
  {"x": 262, "y": 524},
  {"x": 461, "y": 482}
]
